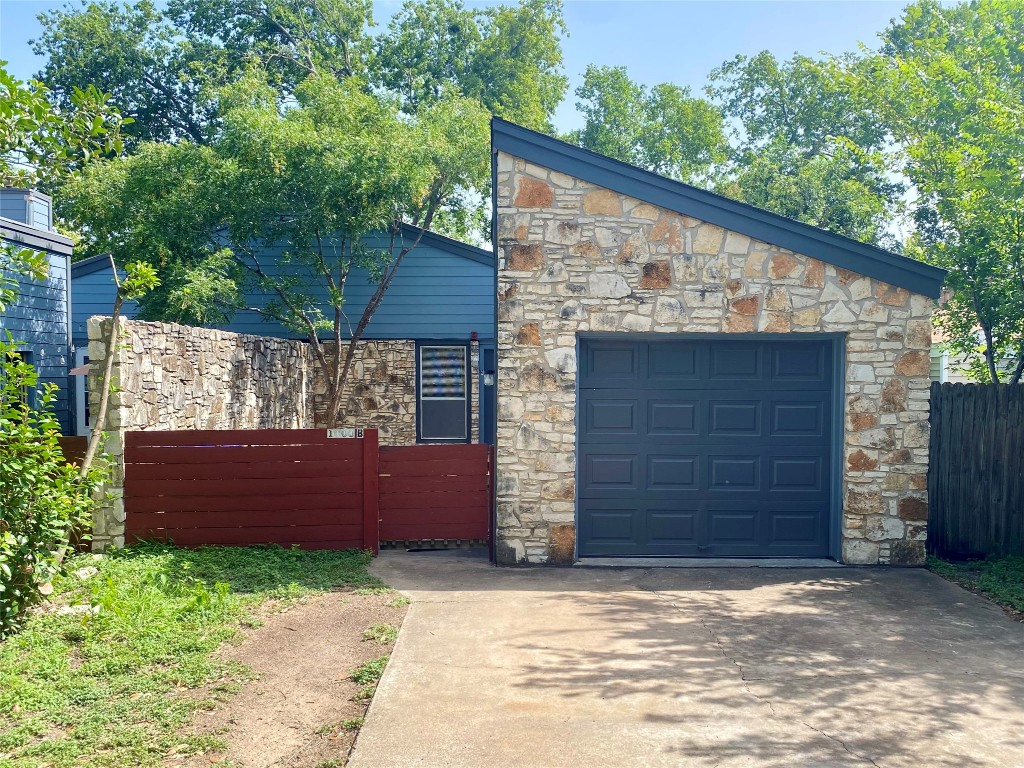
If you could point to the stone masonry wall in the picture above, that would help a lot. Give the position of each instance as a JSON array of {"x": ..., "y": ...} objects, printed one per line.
[
  {"x": 575, "y": 258},
  {"x": 170, "y": 377},
  {"x": 380, "y": 392}
]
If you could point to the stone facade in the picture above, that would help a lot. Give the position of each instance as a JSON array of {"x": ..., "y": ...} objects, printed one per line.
[
  {"x": 170, "y": 377},
  {"x": 575, "y": 258},
  {"x": 380, "y": 392}
]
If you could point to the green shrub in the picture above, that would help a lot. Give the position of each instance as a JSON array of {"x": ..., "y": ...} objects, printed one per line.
[{"x": 42, "y": 498}]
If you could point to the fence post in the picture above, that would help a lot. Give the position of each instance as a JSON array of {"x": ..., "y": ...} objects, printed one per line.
[{"x": 371, "y": 492}]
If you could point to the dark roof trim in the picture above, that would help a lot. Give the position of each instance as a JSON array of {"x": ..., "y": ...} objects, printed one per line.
[
  {"x": 844, "y": 252},
  {"x": 31, "y": 237},
  {"x": 456, "y": 247},
  {"x": 90, "y": 266},
  {"x": 98, "y": 263}
]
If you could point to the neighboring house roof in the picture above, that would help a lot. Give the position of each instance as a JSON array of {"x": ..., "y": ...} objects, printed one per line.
[
  {"x": 32, "y": 237},
  {"x": 840, "y": 251},
  {"x": 471, "y": 252}
]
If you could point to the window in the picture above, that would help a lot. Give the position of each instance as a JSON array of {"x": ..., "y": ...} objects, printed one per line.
[
  {"x": 83, "y": 420},
  {"x": 443, "y": 393}
]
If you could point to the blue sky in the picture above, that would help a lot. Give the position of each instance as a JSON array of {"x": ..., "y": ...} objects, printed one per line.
[{"x": 657, "y": 40}]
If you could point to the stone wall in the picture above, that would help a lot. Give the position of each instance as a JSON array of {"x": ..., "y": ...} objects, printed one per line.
[
  {"x": 576, "y": 258},
  {"x": 170, "y": 377},
  {"x": 381, "y": 391}
]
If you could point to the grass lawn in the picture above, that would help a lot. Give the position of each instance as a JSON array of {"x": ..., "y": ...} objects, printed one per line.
[
  {"x": 999, "y": 578},
  {"x": 103, "y": 675}
]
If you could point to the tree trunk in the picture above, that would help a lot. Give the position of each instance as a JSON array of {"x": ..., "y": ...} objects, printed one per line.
[{"x": 108, "y": 369}]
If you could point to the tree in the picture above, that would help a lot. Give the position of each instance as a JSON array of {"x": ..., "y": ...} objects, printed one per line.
[
  {"x": 162, "y": 66},
  {"x": 42, "y": 497},
  {"x": 313, "y": 180},
  {"x": 663, "y": 129},
  {"x": 40, "y": 146},
  {"x": 807, "y": 145},
  {"x": 948, "y": 83},
  {"x": 509, "y": 58}
]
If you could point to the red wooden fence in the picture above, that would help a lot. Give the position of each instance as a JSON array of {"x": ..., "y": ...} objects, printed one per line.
[
  {"x": 252, "y": 487},
  {"x": 301, "y": 487},
  {"x": 435, "y": 492}
]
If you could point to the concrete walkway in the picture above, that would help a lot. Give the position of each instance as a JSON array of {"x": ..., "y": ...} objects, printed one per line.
[{"x": 499, "y": 668}]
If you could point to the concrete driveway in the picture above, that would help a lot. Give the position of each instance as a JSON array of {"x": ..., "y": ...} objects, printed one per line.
[{"x": 692, "y": 667}]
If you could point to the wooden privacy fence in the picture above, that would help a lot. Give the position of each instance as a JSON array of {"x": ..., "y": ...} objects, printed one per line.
[
  {"x": 976, "y": 470},
  {"x": 304, "y": 488},
  {"x": 435, "y": 492}
]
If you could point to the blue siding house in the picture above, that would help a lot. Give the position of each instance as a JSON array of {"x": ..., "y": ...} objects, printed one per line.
[
  {"x": 39, "y": 319},
  {"x": 442, "y": 297}
]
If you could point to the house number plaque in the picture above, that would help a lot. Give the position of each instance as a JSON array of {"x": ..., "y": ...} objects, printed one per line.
[{"x": 345, "y": 432}]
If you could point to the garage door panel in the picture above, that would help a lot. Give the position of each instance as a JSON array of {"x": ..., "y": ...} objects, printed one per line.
[
  {"x": 734, "y": 473},
  {"x": 734, "y": 417},
  {"x": 731, "y": 361},
  {"x": 611, "y": 472},
  {"x": 795, "y": 474},
  {"x": 733, "y": 527},
  {"x": 715, "y": 448},
  {"x": 673, "y": 361},
  {"x": 669, "y": 527},
  {"x": 672, "y": 417},
  {"x": 673, "y": 473},
  {"x": 612, "y": 416},
  {"x": 611, "y": 363},
  {"x": 791, "y": 419},
  {"x": 800, "y": 362}
]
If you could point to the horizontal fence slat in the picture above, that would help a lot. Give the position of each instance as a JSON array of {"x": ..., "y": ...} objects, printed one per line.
[
  {"x": 399, "y": 484},
  {"x": 404, "y": 453},
  {"x": 265, "y": 470},
  {"x": 459, "y": 499},
  {"x": 235, "y": 455},
  {"x": 255, "y": 517},
  {"x": 262, "y": 437},
  {"x": 431, "y": 516},
  {"x": 282, "y": 504},
  {"x": 435, "y": 531},
  {"x": 298, "y": 486},
  {"x": 448, "y": 468}
]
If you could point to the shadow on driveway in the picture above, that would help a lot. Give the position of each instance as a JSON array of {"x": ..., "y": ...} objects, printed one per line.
[{"x": 693, "y": 667}]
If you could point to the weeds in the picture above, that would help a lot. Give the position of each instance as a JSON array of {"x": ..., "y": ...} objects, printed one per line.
[
  {"x": 100, "y": 676},
  {"x": 999, "y": 578},
  {"x": 383, "y": 634}
]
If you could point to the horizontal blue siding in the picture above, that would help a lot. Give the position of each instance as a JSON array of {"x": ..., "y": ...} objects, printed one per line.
[
  {"x": 93, "y": 294},
  {"x": 435, "y": 295},
  {"x": 38, "y": 322}
]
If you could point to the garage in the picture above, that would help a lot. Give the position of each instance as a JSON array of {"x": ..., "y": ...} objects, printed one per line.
[
  {"x": 682, "y": 375},
  {"x": 705, "y": 447}
]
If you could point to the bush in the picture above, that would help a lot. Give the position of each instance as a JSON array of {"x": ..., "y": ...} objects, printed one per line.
[{"x": 42, "y": 498}]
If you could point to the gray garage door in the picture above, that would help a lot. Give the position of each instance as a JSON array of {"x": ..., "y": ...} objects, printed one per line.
[{"x": 699, "y": 447}]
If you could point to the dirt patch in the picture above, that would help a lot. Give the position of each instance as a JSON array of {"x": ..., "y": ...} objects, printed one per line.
[{"x": 301, "y": 710}]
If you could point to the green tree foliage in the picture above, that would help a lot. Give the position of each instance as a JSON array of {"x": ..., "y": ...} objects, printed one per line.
[
  {"x": 161, "y": 66},
  {"x": 949, "y": 84},
  {"x": 41, "y": 145},
  {"x": 806, "y": 145},
  {"x": 312, "y": 179},
  {"x": 509, "y": 58},
  {"x": 42, "y": 497},
  {"x": 663, "y": 129}
]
